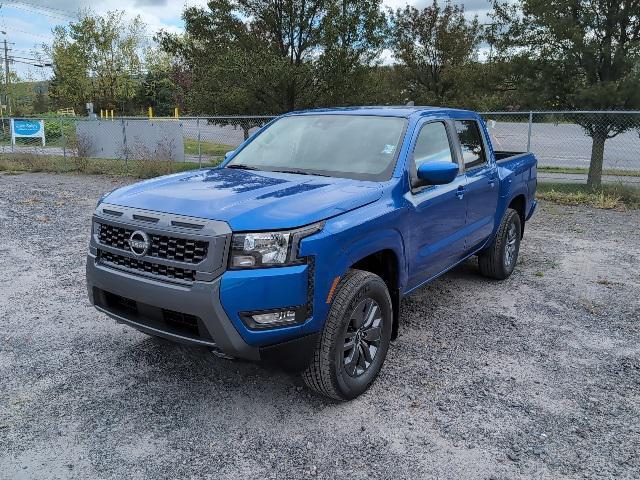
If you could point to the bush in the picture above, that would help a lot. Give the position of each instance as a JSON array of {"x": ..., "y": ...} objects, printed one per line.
[{"x": 53, "y": 129}]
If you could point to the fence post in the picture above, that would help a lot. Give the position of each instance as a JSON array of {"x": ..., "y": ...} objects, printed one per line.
[
  {"x": 529, "y": 133},
  {"x": 64, "y": 142},
  {"x": 199, "y": 146},
  {"x": 124, "y": 146}
]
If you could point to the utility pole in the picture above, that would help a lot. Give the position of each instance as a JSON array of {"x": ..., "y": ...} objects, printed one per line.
[{"x": 6, "y": 75}]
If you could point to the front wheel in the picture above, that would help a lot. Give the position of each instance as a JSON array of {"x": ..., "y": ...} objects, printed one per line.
[
  {"x": 499, "y": 259},
  {"x": 355, "y": 338}
]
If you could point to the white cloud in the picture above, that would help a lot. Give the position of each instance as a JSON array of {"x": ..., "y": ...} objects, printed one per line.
[
  {"x": 156, "y": 14},
  {"x": 166, "y": 14}
]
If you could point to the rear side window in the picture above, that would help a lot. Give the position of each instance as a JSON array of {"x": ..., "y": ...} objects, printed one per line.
[
  {"x": 471, "y": 143},
  {"x": 432, "y": 145}
]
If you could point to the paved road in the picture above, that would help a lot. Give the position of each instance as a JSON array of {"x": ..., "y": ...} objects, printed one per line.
[{"x": 565, "y": 145}]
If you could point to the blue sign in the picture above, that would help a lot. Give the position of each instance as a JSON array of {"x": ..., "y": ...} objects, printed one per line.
[{"x": 27, "y": 128}]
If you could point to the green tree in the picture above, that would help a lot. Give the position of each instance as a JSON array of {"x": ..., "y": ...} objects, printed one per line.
[
  {"x": 158, "y": 88},
  {"x": 353, "y": 34},
  {"x": 259, "y": 56},
  {"x": 40, "y": 102},
  {"x": 580, "y": 54},
  {"x": 437, "y": 50},
  {"x": 96, "y": 59},
  {"x": 247, "y": 56}
]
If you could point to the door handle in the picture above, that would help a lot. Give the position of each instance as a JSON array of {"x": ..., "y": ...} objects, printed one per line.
[
  {"x": 460, "y": 192},
  {"x": 492, "y": 179}
]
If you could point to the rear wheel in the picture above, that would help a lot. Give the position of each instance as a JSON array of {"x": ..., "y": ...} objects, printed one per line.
[
  {"x": 499, "y": 260},
  {"x": 355, "y": 339}
]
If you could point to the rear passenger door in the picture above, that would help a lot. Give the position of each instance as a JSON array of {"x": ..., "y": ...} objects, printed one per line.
[
  {"x": 436, "y": 212},
  {"x": 482, "y": 183}
]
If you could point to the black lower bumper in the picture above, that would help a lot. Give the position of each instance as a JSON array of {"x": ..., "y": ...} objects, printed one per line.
[
  {"x": 188, "y": 314},
  {"x": 150, "y": 300}
]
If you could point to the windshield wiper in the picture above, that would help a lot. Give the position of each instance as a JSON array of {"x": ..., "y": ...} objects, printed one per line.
[
  {"x": 242, "y": 167},
  {"x": 299, "y": 172}
]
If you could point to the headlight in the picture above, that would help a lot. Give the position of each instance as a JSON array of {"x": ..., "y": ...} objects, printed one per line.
[{"x": 268, "y": 249}]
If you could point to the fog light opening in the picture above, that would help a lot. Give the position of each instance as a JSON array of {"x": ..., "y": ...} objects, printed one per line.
[
  {"x": 273, "y": 318},
  {"x": 280, "y": 316}
]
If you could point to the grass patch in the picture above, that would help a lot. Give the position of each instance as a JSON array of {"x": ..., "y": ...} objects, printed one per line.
[
  {"x": 55, "y": 142},
  {"x": 23, "y": 162},
  {"x": 606, "y": 196},
  {"x": 585, "y": 171},
  {"x": 210, "y": 149}
]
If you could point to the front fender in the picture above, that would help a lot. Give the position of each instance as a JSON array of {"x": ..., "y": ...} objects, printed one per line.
[{"x": 344, "y": 241}]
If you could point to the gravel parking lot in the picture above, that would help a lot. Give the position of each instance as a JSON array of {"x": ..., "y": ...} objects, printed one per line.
[{"x": 534, "y": 377}]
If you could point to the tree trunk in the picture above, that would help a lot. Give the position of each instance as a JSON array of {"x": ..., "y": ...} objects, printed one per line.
[{"x": 597, "y": 156}]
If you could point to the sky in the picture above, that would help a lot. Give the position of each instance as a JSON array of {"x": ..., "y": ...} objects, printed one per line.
[{"x": 28, "y": 23}]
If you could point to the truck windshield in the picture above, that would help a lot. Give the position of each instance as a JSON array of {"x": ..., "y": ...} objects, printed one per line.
[{"x": 350, "y": 146}]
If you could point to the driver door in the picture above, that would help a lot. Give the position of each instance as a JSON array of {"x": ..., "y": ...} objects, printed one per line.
[{"x": 436, "y": 212}]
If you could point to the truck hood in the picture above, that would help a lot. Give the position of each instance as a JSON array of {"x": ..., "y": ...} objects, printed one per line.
[{"x": 248, "y": 200}]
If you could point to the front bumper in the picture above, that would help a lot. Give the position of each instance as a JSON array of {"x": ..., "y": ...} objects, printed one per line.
[
  {"x": 159, "y": 308},
  {"x": 154, "y": 298}
]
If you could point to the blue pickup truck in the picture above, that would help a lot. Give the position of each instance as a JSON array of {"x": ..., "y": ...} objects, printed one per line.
[{"x": 298, "y": 248}]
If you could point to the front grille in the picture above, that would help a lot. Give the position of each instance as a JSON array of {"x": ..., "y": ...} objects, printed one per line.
[
  {"x": 122, "y": 304},
  {"x": 181, "y": 321},
  {"x": 162, "y": 246},
  {"x": 112, "y": 259},
  {"x": 159, "y": 318}
]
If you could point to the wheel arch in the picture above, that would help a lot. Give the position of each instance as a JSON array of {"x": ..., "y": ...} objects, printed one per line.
[
  {"x": 386, "y": 264},
  {"x": 519, "y": 204}
]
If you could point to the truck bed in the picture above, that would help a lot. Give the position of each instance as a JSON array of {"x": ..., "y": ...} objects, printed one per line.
[{"x": 502, "y": 156}]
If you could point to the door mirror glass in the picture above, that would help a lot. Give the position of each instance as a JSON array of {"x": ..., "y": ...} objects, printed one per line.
[{"x": 438, "y": 172}]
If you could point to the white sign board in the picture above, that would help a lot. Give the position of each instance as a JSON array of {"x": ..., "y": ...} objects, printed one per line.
[{"x": 27, "y": 128}]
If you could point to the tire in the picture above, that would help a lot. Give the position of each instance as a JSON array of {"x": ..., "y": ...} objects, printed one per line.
[
  {"x": 499, "y": 260},
  {"x": 344, "y": 363}
]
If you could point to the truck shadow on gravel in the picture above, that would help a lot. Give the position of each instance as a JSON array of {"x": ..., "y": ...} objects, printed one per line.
[{"x": 189, "y": 366}]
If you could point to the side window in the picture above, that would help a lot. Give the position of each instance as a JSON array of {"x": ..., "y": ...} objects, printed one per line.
[
  {"x": 432, "y": 145},
  {"x": 471, "y": 143}
]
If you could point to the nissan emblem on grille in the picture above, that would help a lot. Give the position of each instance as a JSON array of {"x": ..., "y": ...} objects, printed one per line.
[{"x": 139, "y": 243}]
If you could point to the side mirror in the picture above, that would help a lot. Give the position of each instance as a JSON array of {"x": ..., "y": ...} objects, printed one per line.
[
  {"x": 438, "y": 172},
  {"x": 228, "y": 154}
]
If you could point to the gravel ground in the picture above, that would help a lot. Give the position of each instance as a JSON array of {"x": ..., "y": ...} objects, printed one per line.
[{"x": 534, "y": 377}]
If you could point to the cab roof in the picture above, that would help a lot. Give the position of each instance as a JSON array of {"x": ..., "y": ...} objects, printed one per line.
[{"x": 386, "y": 111}]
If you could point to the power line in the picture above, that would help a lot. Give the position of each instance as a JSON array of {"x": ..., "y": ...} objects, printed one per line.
[
  {"x": 31, "y": 51},
  {"x": 41, "y": 65},
  {"x": 40, "y": 60},
  {"x": 28, "y": 33},
  {"x": 39, "y": 11},
  {"x": 42, "y": 9}
]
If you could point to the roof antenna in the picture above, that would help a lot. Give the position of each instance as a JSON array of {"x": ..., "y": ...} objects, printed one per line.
[{"x": 411, "y": 103}]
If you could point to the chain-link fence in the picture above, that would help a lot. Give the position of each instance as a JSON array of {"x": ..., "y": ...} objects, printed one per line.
[
  {"x": 570, "y": 139},
  {"x": 566, "y": 140},
  {"x": 201, "y": 140}
]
